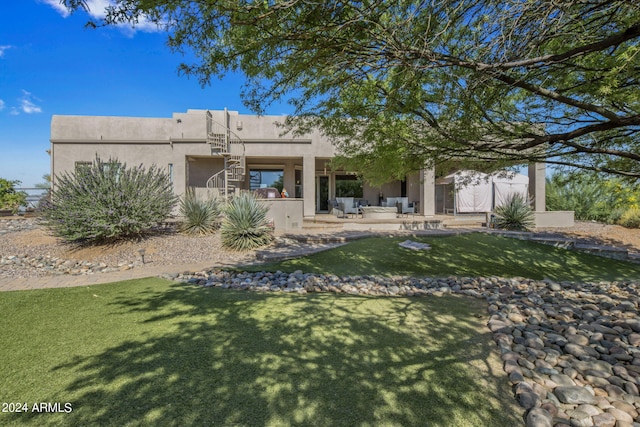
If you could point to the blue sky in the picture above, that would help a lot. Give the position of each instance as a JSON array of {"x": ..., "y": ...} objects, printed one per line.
[{"x": 50, "y": 64}]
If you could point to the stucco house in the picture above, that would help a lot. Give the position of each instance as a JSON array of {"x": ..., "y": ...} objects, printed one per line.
[{"x": 221, "y": 151}]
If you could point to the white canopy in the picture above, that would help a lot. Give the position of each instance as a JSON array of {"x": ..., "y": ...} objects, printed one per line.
[
  {"x": 479, "y": 192},
  {"x": 504, "y": 187}
]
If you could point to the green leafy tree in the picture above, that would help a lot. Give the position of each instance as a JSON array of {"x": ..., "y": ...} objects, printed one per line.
[
  {"x": 592, "y": 198},
  {"x": 349, "y": 188},
  {"x": 10, "y": 198},
  {"x": 108, "y": 201},
  {"x": 278, "y": 183},
  {"x": 485, "y": 83}
]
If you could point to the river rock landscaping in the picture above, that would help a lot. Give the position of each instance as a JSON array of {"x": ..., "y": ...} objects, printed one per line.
[{"x": 570, "y": 350}]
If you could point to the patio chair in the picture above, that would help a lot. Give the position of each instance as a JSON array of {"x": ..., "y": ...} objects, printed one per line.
[
  {"x": 348, "y": 206},
  {"x": 404, "y": 207}
]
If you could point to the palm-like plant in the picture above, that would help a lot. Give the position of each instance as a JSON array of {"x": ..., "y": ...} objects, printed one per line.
[
  {"x": 245, "y": 225},
  {"x": 200, "y": 217},
  {"x": 515, "y": 214}
]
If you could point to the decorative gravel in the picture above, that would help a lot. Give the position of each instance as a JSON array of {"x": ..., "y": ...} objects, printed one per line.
[{"x": 26, "y": 250}]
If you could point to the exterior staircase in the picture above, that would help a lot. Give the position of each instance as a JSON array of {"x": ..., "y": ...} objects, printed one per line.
[{"x": 226, "y": 144}]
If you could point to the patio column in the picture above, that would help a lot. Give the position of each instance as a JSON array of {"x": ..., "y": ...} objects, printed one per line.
[
  {"x": 537, "y": 176},
  {"x": 309, "y": 185},
  {"x": 428, "y": 192}
]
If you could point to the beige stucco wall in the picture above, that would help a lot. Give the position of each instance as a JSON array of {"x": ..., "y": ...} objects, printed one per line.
[
  {"x": 544, "y": 219},
  {"x": 287, "y": 214},
  {"x": 171, "y": 140},
  {"x": 64, "y": 156},
  {"x": 261, "y": 135},
  {"x": 200, "y": 169},
  {"x": 180, "y": 141},
  {"x": 537, "y": 186},
  {"x": 371, "y": 194}
]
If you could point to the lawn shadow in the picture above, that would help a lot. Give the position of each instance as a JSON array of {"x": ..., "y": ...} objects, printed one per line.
[{"x": 242, "y": 358}]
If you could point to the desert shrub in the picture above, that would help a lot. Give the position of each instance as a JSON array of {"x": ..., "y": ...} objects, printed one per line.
[
  {"x": 585, "y": 198},
  {"x": 630, "y": 218},
  {"x": 515, "y": 214},
  {"x": 106, "y": 201},
  {"x": 245, "y": 225},
  {"x": 9, "y": 197},
  {"x": 591, "y": 197},
  {"x": 199, "y": 216},
  {"x": 615, "y": 215}
]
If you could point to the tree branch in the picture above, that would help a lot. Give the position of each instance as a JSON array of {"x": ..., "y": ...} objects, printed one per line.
[{"x": 614, "y": 40}]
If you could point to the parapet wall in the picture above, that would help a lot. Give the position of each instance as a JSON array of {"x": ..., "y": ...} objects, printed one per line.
[{"x": 550, "y": 219}]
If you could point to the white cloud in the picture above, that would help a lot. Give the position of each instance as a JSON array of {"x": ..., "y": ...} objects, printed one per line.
[
  {"x": 59, "y": 7},
  {"x": 97, "y": 10},
  {"x": 27, "y": 105},
  {"x": 3, "y": 48}
]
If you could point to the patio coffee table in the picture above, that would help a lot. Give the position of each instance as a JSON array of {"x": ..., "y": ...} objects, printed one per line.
[{"x": 379, "y": 212}]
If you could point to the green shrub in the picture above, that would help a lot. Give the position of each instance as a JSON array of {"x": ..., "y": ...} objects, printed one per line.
[
  {"x": 106, "y": 201},
  {"x": 515, "y": 214},
  {"x": 630, "y": 218},
  {"x": 245, "y": 225},
  {"x": 199, "y": 216},
  {"x": 591, "y": 197},
  {"x": 615, "y": 215},
  {"x": 9, "y": 197}
]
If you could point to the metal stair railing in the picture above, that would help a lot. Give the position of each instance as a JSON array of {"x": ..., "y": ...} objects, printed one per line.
[{"x": 225, "y": 143}]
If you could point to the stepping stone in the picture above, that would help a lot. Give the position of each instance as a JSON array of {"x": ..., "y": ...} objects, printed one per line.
[{"x": 415, "y": 246}]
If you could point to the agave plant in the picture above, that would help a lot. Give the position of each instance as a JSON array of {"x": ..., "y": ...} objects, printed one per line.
[
  {"x": 199, "y": 216},
  {"x": 245, "y": 225},
  {"x": 515, "y": 214}
]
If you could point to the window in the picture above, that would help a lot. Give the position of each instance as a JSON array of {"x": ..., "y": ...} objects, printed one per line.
[
  {"x": 112, "y": 166},
  {"x": 262, "y": 178},
  {"x": 298, "y": 188},
  {"x": 348, "y": 186},
  {"x": 108, "y": 168},
  {"x": 82, "y": 166}
]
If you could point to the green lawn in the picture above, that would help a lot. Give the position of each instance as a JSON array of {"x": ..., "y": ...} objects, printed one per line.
[
  {"x": 150, "y": 352},
  {"x": 476, "y": 254}
]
